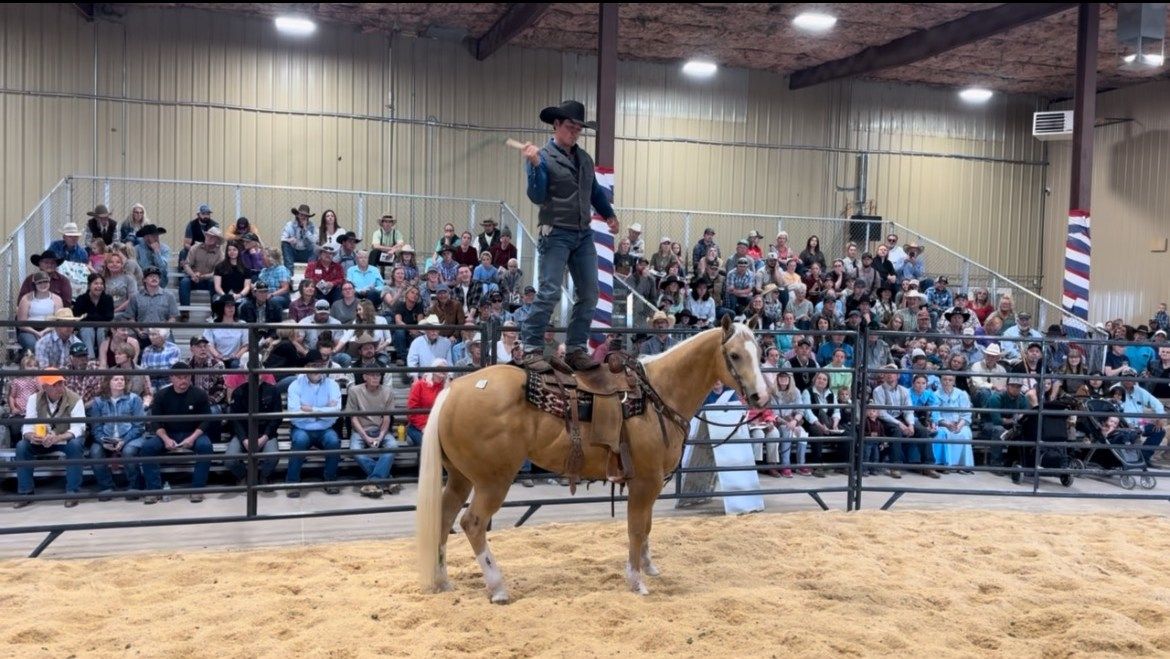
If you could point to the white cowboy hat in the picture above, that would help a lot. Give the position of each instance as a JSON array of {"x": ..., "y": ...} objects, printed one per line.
[
  {"x": 430, "y": 320},
  {"x": 993, "y": 350},
  {"x": 70, "y": 229},
  {"x": 662, "y": 315}
]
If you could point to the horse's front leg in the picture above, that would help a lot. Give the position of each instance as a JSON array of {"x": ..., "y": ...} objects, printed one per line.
[{"x": 643, "y": 491}]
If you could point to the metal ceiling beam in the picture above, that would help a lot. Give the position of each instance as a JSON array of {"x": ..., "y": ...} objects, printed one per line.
[
  {"x": 517, "y": 18},
  {"x": 607, "y": 43},
  {"x": 927, "y": 43},
  {"x": 86, "y": 9},
  {"x": 1084, "y": 108}
]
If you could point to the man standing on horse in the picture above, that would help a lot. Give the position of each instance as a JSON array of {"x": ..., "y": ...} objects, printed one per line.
[{"x": 562, "y": 182}]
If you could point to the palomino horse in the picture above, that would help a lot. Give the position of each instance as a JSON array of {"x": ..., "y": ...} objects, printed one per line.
[{"x": 481, "y": 429}]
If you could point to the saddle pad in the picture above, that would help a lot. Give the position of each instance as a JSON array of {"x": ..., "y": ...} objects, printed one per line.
[{"x": 547, "y": 398}]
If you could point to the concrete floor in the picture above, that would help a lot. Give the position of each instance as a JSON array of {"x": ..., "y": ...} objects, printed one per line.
[{"x": 86, "y": 544}]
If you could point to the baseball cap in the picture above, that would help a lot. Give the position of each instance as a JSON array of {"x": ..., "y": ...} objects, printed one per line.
[
  {"x": 260, "y": 286},
  {"x": 529, "y": 289},
  {"x": 321, "y": 305},
  {"x": 708, "y": 231},
  {"x": 180, "y": 366},
  {"x": 1015, "y": 382},
  {"x": 78, "y": 349},
  {"x": 442, "y": 288},
  {"x": 918, "y": 352},
  {"x": 151, "y": 270},
  {"x": 50, "y": 379},
  {"x": 196, "y": 340},
  {"x": 204, "y": 208}
]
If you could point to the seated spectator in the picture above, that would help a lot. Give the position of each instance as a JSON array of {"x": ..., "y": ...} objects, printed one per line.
[
  {"x": 371, "y": 429},
  {"x": 298, "y": 239},
  {"x": 839, "y": 371},
  {"x": 642, "y": 281},
  {"x": 509, "y": 279},
  {"x": 94, "y": 306},
  {"x": 449, "y": 239},
  {"x": 762, "y": 427},
  {"x": 670, "y": 297},
  {"x": 509, "y": 339},
  {"x": 118, "y": 284},
  {"x": 116, "y": 438},
  {"x": 1141, "y": 353},
  {"x": 429, "y": 285},
  {"x": 527, "y": 298},
  {"x": 835, "y": 342},
  {"x": 364, "y": 349},
  {"x": 623, "y": 260},
  {"x": 789, "y": 420},
  {"x": 313, "y": 393},
  {"x": 489, "y": 237},
  {"x": 305, "y": 305},
  {"x": 65, "y": 434},
  {"x": 800, "y": 307},
  {"x": 924, "y": 325},
  {"x": 261, "y": 308},
  {"x": 466, "y": 253},
  {"x": 382, "y": 337},
  {"x": 784, "y": 251},
  {"x": 396, "y": 285},
  {"x": 344, "y": 309},
  {"x": 277, "y": 277},
  {"x": 326, "y": 275},
  {"x": 366, "y": 280},
  {"x": 87, "y": 385},
  {"x": 20, "y": 389},
  {"x": 913, "y": 267},
  {"x": 468, "y": 352},
  {"x": 425, "y": 349},
  {"x": 347, "y": 250},
  {"x": 59, "y": 284},
  {"x": 69, "y": 248},
  {"x": 385, "y": 242},
  {"x": 422, "y": 396},
  {"x": 495, "y": 309},
  {"x": 812, "y": 253},
  {"x": 485, "y": 274},
  {"x": 97, "y": 255},
  {"x": 151, "y": 251},
  {"x": 287, "y": 351},
  {"x": 981, "y": 305},
  {"x": 637, "y": 243},
  {"x": 174, "y": 436},
  {"x": 268, "y": 402},
  {"x": 320, "y": 319},
  {"x": 1137, "y": 402},
  {"x": 407, "y": 311},
  {"x": 152, "y": 304},
  {"x": 813, "y": 283},
  {"x": 40, "y": 304},
  {"x": 926, "y": 419},
  {"x": 503, "y": 251},
  {"x": 139, "y": 384},
  {"x": 448, "y": 311},
  {"x": 953, "y": 426},
  {"x": 659, "y": 342},
  {"x": 1014, "y": 338},
  {"x": 159, "y": 355},
  {"x": 136, "y": 220},
  {"x": 196, "y": 228},
  {"x": 228, "y": 342},
  {"x": 919, "y": 361},
  {"x": 52, "y": 349},
  {"x": 116, "y": 338},
  {"x": 252, "y": 255},
  {"x": 200, "y": 267},
  {"x": 1005, "y": 313},
  {"x": 821, "y": 419},
  {"x": 229, "y": 276},
  {"x": 409, "y": 265}
]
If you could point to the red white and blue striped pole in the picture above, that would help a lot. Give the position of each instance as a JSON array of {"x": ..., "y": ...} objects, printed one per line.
[
  {"x": 1077, "y": 252},
  {"x": 605, "y": 243}
]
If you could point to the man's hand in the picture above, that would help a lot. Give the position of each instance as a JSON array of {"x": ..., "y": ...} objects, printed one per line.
[
  {"x": 306, "y": 408},
  {"x": 532, "y": 153},
  {"x": 614, "y": 225},
  {"x": 170, "y": 444}
]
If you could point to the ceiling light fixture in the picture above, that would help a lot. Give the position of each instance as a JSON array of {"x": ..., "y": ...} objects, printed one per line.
[
  {"x": 699, "y": 68},
  {"x": 1153, "y": 60},
  {"x": 814, "y": 22},
  {"x": 976, "y": 95},
  {"x": 295, "y": 25}
]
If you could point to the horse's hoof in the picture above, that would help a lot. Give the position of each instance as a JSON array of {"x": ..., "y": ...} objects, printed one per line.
[
  {"x": 444, "y": 587},
  {"x": 651, "y": 570},
  {"x": 500, "y": 598},
  {"x": 640, "y": 589}
]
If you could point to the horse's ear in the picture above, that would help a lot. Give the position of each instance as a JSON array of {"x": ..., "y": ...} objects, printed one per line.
[{"x": 726, "y": 325}]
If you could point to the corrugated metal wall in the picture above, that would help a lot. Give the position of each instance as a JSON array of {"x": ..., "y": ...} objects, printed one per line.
[
  {"x": 225, "y": 98},
  {"x": 1130, "y": 209}
]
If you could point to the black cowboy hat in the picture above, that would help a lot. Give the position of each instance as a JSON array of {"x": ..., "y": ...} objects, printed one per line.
[
  {"x": 303, "y": 208},
  {"x": 99, "y": 211},
  {"x": 666, "y": 281},
  {"x": 149, "y": 230},
  {"x": 684, "y": 314},
  {"x": 47, "y": 254},
  {"x": 571, "y": 110},
  {"x": 956, "y": 310}
]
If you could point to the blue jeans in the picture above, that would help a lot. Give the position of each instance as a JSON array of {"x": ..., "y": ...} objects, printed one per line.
[
  {"x": 136, "y": 472},
  {"x": 402, "y": 339},
  {"x": 186, "y": 285},
  {"x": 561, "y": 249},
  {"x": 303, "y": 440},
  {"x": 379, "y": 468},
  {"x": 414, "y": 435},
  {"x": 1154, "y": 436},
  {"x": 153, "y": 446},
  {"x": 292, "y": 256},
  {"x": 27, "y": 341},
  {"x": 73, "y": 449},
  {"x": 101, "y": 472}
]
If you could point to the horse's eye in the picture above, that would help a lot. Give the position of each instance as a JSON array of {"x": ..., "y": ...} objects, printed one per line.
[{"x": 735, "y": 356}]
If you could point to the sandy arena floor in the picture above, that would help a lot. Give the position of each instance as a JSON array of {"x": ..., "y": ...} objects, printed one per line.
[{"x": 937, "y": 584}]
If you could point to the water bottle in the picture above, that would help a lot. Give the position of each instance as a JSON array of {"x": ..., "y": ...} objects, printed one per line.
[{"x": 166, "y": 491}]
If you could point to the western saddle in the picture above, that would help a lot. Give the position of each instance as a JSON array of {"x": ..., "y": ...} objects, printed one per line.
[{"x": 594, "y": 405}]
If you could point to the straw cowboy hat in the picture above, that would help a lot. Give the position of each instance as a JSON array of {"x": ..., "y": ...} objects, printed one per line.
[
  {"x": 364, "y": 338},
  {"x": 770, "y": 288},
  {"x": 993, "y": 350},
  {"x": 66, "y": 314},
  {"x": 572, "y": 110},
  {"x": 70, "y": 229},
  {"x": 662, "y": 315},
  {"x": 913, "y": 245},
  {"x": 430, "y": 320}
]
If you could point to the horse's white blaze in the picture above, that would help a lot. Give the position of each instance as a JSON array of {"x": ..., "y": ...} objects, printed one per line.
[
  {"x": 492, "y": 575},
  {"x": 753, "y": 354}
]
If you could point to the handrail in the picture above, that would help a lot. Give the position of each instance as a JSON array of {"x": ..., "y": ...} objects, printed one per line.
[{"x": 28, "y": 218}]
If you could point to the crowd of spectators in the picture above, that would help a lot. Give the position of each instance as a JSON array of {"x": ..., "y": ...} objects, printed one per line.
[{"x": 808, "y": 311}]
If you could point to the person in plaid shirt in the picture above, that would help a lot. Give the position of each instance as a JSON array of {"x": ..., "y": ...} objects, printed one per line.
[
  {"x": 211, "y": 383},
  {"x": 161, "y": 354},
  {"x": 87, "y": 386},
  {"x": 939, "y": 298},
  {"x": 741, "y": 284}
]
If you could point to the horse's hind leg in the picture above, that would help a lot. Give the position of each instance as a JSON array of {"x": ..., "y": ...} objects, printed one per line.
[
  {"x": 454, "y": 494},
  {"x": 487, "y": 500}
]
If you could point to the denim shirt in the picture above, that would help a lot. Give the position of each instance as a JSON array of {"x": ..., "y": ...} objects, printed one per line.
[{"x": 127, "y": 405}]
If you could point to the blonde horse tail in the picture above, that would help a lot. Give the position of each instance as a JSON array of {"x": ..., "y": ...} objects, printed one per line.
[{"x": 429, "y": 510}]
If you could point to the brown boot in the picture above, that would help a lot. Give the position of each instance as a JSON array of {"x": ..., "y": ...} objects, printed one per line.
[
  {"x": 579, "y": 360},
  {"x": 534, "y": 361}
]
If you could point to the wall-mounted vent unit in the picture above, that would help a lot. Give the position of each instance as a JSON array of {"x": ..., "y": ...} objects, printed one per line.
[{"x": 1050, "y": 126}]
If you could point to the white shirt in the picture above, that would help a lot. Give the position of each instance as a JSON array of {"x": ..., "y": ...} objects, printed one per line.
[{"x": 78, "y": 412}]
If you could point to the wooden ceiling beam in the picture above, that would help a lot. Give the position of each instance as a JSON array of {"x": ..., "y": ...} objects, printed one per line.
[
  {"x": 518, "y": 17},
  {"x": 927, "y": 43}
]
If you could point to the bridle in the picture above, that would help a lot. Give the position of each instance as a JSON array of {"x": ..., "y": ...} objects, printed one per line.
[{"x": 741, "y": 387}]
